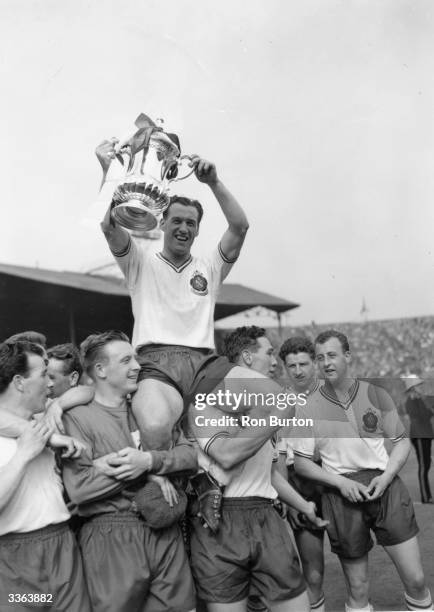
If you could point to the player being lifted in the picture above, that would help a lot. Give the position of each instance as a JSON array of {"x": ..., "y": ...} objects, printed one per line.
[{"x": 173, "y": 297}]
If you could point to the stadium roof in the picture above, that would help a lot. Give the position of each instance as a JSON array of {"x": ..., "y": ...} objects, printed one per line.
[
  {"x": 75, "y": 280},
  {"x": 31, "y": 296}
]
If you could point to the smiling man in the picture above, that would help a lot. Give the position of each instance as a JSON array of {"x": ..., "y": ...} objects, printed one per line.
[
  {"x": 40, "y": 564},
  {"x": 173, "y": 296},
  {"x": 363, "y": 491},
  {"x": 128, "y": 564}
]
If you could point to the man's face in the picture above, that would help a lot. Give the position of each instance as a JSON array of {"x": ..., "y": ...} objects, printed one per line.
[
  {"x": 333, "y": 361},
  {"x": 301, "y": 370},
  {"x": 61, "y": 381},
  {"x": 120, "y": 368},
  {"x": 262, "y": 357},
  {"x": 36, "y": 386},
  {"x": 180, "y": 228}
]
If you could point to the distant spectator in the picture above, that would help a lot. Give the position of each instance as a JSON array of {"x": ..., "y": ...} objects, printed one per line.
[{"x": 421, "y": 432}]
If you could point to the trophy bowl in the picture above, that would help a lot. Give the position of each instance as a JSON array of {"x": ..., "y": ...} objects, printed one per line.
[
  {"x": 151, "y": 159},
  {"x": 137, "y": 206}
]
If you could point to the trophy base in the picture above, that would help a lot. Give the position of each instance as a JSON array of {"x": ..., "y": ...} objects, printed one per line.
[{"x": 135, "y": 216}]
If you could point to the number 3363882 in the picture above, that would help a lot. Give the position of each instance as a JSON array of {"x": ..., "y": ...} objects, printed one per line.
[{"x": 30, "y": 598}]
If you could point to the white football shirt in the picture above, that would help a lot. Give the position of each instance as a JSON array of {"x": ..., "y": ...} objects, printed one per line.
[
  {"x": 350, "y": 436},
  {"x": 37, "y": 501},
  {"x": 172, "y": 305}
]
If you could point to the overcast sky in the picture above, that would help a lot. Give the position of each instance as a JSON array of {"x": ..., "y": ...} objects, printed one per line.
[{"x": 318, "y": 114}]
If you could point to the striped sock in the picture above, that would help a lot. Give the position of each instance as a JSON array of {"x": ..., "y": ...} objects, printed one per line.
[
  {"x": 318, "y": 606},
  {"x": 419, "y": 604}
]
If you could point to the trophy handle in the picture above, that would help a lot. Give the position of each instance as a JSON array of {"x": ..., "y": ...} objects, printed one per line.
[{"x": 181, "y": 178}]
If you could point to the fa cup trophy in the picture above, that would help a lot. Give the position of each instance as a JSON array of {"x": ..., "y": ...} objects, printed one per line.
[{"x": 150, "y": 160}]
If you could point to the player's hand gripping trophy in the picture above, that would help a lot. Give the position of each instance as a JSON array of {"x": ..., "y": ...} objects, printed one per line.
[{"x": 149, "y": 161}]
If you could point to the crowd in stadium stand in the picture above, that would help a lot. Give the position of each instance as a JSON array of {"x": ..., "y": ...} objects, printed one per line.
[
  {"x": 387, "y": 350},
  {"x": 390, "y": 348}
]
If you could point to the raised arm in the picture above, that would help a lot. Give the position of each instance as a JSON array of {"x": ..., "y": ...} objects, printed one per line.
[
  {"x": 234, "y": 236},
  {"x": 116, "y": 236}
]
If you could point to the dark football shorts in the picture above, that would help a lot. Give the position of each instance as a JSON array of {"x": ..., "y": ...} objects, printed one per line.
[
  {"x": 182, "y": 367},
  {"x": 311, "y": 491},
  {"x": 391, "y": 517},
  {"x": 42, "y": 570},
  {"x": 251, "y": 554},
  {"x": 129, "y": 566}
]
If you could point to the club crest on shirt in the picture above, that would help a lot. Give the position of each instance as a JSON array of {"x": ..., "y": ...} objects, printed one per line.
[
  {"x": 370, "y": 421},
  {"x": 199, "y": 284}
]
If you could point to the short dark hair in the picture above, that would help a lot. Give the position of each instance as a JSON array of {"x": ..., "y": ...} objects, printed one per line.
[
  {"x": 29, "y": 336},
  {"x": 92, "y": 348},
  {"x": 240, "y": 339},
  {"x": 69, "y": 355},
  {"x": 333, "y": 333},
  {"x": 185, "y": 202},
  {"x": 297, "y": 344},
  {"x": 14, "y": 360}
]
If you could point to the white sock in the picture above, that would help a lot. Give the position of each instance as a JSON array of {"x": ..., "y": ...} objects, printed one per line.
[
  {"x": 367, "y": 608},
  {"x": 419, "y": 604}
]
